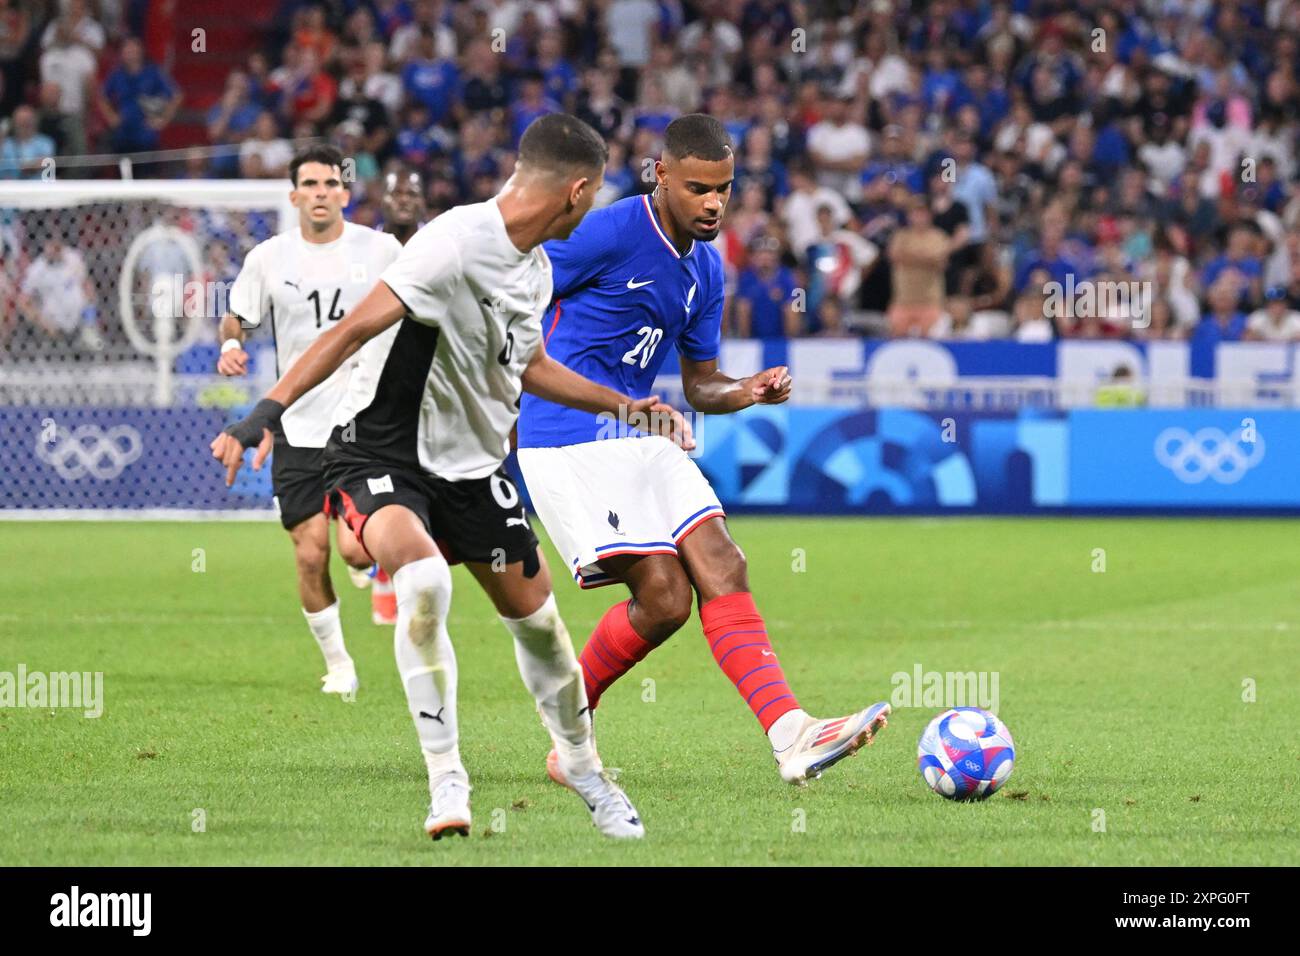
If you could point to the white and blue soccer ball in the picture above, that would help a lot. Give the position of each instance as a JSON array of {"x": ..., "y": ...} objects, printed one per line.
[{"x": 965, "y": 754}]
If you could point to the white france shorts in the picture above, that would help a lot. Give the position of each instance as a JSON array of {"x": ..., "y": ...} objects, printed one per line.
[{"x": 616, "y": 496}]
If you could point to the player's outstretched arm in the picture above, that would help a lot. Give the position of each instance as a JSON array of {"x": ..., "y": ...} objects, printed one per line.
[
  {"x": 372, "y": 315},
  {"x": 713, "y": 393},
  {"x": 556, "y": 382}
]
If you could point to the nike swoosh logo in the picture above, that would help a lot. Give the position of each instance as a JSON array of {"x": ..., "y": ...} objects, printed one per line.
[
  {"x": 766, "y": 653},
  {"x": 633, "y": 284},
  {"x": 590, "y": 806}
]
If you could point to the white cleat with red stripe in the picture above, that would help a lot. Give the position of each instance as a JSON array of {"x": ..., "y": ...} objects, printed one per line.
[{"x": 821, "y": 743}]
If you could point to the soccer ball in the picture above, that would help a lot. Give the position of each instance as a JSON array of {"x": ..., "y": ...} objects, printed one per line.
[{"x": 965, "y": 754}]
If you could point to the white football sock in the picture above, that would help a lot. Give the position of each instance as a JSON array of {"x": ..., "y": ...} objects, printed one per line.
[
  {"x": 553, "y": 676},
  {"x": 785, "y": 731},
  {"x": 328, "y": 631},
  {"x": 426, "y": 661}
]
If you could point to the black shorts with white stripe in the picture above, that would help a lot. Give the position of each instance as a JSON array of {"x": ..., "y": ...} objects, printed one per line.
[{"x": 477, "y": 519}]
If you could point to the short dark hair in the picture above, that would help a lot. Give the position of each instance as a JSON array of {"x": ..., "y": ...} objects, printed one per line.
[
  {"x": 697, "y": 134},
  {"x": 319, "y": 153},
  {"x": 559, "y": 142}
]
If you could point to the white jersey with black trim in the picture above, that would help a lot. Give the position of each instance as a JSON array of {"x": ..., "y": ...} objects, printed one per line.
[
  {"x": 443, "y": 395},
  {"x": 303, "y": 288}
]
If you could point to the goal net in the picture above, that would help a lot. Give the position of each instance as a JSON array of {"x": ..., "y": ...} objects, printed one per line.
[{"x": 110, "y": 297}]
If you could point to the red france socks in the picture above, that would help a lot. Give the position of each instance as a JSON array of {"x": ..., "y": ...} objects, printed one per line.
[
  {"x": 613, "y": 649},
  {"x": 738, "y": 638}
]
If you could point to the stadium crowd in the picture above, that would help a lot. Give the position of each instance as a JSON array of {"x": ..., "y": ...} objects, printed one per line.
[{"x": 902, "y": 168}]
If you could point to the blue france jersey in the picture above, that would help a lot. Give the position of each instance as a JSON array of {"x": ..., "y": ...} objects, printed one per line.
[{"x": 623, "y": 297}]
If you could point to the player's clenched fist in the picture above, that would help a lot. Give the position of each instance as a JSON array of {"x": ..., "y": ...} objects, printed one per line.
[
  {"x": 233, "y": 362},
  {"x": 228, "y": 447},
  {"x": 771, "y": 386}
]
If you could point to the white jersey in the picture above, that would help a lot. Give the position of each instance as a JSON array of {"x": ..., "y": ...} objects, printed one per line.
[
  {"x": 303, "y": 288},
  {"x": 443, "y": 394}
]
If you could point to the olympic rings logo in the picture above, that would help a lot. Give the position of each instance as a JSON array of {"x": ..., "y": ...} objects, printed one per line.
[
  {"x": 1207, "y": 454},
  {"x": 90, "y": 450}
]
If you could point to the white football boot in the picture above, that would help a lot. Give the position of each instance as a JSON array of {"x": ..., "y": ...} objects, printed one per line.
[
  {"x": 449, "y": 807},
  {"x": 821, "y": 743},
  {"x": 361, "y": 577},
  {"x": 341, "y": 679},
  {"x": 611, "y": 810}
]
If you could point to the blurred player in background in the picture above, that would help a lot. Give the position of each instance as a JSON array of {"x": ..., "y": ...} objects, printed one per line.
[
  {"x": 404, "y": 211},
  {"x": 303, "y": 281},
  {"x": 636, "y": 279},
  {"x": 458, "y": 321}
]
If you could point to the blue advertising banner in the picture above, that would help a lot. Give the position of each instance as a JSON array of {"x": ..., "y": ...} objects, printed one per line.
[
  {"x": 1204, "y": 459},
  {"x": 135, "y": 458},
  {"x": 784, "y": 459},
  {"x": 894, "y": 461}
]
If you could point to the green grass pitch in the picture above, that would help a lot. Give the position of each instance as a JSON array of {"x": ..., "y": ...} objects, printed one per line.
[{"x": 1127, "y": 691}]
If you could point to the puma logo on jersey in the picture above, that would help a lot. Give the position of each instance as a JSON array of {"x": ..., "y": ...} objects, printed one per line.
[
  {"x": 633, "y": 284},
  {"x": 293, "y": 284},
  {"x": 522, "y": 522}
]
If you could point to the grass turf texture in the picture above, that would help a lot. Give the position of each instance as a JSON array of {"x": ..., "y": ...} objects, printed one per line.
[{"x": 1123, "y": 689}]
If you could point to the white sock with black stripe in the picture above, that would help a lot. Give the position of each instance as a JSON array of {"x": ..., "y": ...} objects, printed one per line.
[
  {"x": 544, "y": 653},
  {"x": 426, "y": 661}
]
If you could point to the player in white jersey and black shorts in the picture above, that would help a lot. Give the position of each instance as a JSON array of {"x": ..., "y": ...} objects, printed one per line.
[
  {"x": 404, "y": 212},
  {"x": 415, "y": 459},
  {"x": 300, "y": 283}
]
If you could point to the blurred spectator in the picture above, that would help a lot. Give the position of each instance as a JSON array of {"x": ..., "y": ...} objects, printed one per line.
[
  {"x": 428, "y": 17},
  {"x": 264, "y": 155},
  {"x": 836, "y": 263},
  {"x": 312, "y": 33},
  {"x": 138, "y": 101},
  {"x": 49, "y": 121},
  {"x": 57, "y": 299},
  {"x": 893, "y": 165},
  {"x": 629, "y": 25},
  {"x": 839, "y": 147},
  {"x": 374, "y": 79},
  {"x": 1238, "y": 259},
  {"x": 799, "y": 209},
  {"x": 15, "y": 30},
  {"x": 79, "y": 24},
  {"x": 308, "y": 93},
  {"x": 1276, "y": 321},
  {"x": 25, "y": 151},
  {"x": 486, "y": 88},
  {"x": 371, "y": 116},
  {"x": 763, "y": 305},
  {"x": 531, "y": 103},
  {"x": 918, "y": 254},
  {"x": 1224, "y": 321},
  {"x": 70, "y": 65},
  {"x": 433, "y": 82},
  {"x": 231, "y": 121},
  {"x": 600, "y": 106},
  {"x": 1030, "y": 322}
]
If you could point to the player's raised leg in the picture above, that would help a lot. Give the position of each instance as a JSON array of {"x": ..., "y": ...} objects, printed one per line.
[
  {"x": 426, "y": 661},
  {"x": 523, "y": 598},
  {"x": 802, "y": 745},
  {"x": 320, "y": 606}
]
